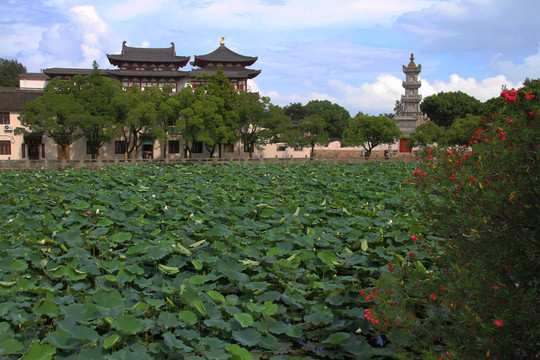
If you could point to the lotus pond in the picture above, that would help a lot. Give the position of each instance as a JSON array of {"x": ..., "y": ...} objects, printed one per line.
[{"x": 201, "y": 261}]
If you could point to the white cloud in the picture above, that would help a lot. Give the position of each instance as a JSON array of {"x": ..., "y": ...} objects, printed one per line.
[
  {"x": 380, "y": 96},
  {"x": 530, "y": 68},
  {"x": 78, "y": 41}
]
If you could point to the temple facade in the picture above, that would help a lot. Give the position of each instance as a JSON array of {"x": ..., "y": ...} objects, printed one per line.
[{"x": 148, "y": 67}]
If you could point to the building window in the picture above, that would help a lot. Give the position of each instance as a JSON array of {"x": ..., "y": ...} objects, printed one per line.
[
  {"x": 298, "y": 148},
  {"x": 197, "y": 147},
  {"x": 281, "y": 147},
  {"x": 248, "y": 147},
  {"x": 174, "y": 146},
  {"x": 228, "y": 148},
  {"x": 5, "y": 148},
  {"x": 89, "y": 148},
  {"x": 4, "y": 118},
  {"x": 120, "y": 147}
]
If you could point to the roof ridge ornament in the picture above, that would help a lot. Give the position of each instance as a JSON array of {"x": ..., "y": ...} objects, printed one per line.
[{"x": 222, "y": 40}]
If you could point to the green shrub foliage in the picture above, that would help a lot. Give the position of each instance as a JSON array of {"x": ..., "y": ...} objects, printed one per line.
[{"x": 480, "y": 297}]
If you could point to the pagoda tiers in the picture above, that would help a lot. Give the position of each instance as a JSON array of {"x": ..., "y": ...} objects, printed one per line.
[
  {"x": 411, "y": 116},
  {"x": 232, "y": 64}
]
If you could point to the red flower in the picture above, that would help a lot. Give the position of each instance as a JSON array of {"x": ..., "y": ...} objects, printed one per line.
[
  {"x": 433, "y": 296},
  {"x": 498, "y": 323},
  {"x": 389, "y": 267},
  {"x": 411, "y": 254},
  {"x": 530, "y": 96},
  {"x": 414, "y": 238}
]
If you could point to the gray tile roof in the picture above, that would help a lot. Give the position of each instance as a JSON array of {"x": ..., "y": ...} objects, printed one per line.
[
  {"x": 13, "y": 99},
  {"x": 33, "y": 76},
  {"x": 161, "y": 55},
  {"x": 231, "y": 73},
  {"x": 223, "y": 55},
  {"x": 147, "y": 73}
]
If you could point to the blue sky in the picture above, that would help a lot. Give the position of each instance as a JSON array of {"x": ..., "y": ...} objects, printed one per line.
[{"x": 347, "y": 51}]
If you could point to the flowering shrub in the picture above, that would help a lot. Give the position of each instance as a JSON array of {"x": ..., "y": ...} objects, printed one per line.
[{"x": 479, "y": 296}]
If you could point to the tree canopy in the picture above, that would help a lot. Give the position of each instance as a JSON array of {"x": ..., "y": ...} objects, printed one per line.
[
  {"x": 444, "y": 107},
  {"x": 370, "y": 131},
  {"x": 335, "y": 116},
  {"x": 9, "y": 72},
  {"x": 311, "y": 131},
  {"x": 260, "y": 121},
  {"x": 426, "y": 134},
  {"x": 57, "y": 114}
]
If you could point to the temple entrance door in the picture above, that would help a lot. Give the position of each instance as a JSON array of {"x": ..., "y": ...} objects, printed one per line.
[
  {"x": 148, "y": 150},
  {"x": 33, "y": 152},
  {"x": 403, "y": 146}
]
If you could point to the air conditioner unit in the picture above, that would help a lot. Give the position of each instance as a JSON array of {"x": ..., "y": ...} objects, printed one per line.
[{"x": 8, "y": 127}]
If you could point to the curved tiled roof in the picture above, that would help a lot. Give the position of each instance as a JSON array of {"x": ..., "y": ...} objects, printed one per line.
[
  {"x": 148, "y": 73},
  {"x": 53, "y": 72},
  {"x": 231, "y": 73},
  {"x": 223, "y": 55},
  {"x": 13, "y": 99},
  {"x": 161, "y": 55}
]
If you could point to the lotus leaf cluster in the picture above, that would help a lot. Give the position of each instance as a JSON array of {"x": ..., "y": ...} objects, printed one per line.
[{"x": 200, "y": 261}]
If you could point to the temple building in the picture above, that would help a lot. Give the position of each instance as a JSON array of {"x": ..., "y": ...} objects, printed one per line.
[
  {"x": 232, "y": 64},
  {"x": 410, "y": 116},
  {"x": 148, "y": 67}
]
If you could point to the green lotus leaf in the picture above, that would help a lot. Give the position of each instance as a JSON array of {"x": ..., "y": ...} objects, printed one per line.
[
  {"x": 39, "y": 351},
  {"x": 46, "y": 307},
  {"x": 10, "y": 346},
  {"x": 121, "y": 237},
  {"x": 104, "y": 222},
  {"x": 239, "y": 353},
  {"x": 110, "y": 341},
  {"x": 244, "y": 319},
  {"x": 188, "y": 316},
  {"x": 247, "y": 337},
  {"x": 216, "y": 296},
  {"x": 337, "y": 338},
  {"x": 198, "y": 279},
  {"x": 128, "y": 324},
  {"x": 84, "y": 334}
]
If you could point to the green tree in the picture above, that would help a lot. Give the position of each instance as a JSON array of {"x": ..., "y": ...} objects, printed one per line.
[
  {"x": 167, "y": 112},
  {"x": 9, "y": 72},
  {"x": 296, "y": 112},
  {"x": 57, "y": 114},
  {"x": 370, "y": 131},
  {"x": 136, "y": 116},
  {"x": 222, "y": 129},
  {"x": 311, "y": 131},
  {"x": 336, "y": 116},
  {"x": 426, "y": 134},
  {"x": 462, "y": 130},
  {"x": 200, "y": 119},
  {"x": 95, "y": 94},
  {"x": 260, "y": 121},
  {"x": 444, "y": 108}
]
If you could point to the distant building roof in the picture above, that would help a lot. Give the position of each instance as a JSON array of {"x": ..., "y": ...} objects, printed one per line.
[
  {"x": 151, "y": 55},
  {"x": 147, "y": 73},
  {"x": 13, "y": 99},
  {"x": 231, "y": 73},
  {"x": 223, "y": 55},
  {"x": 55, "y": 72},
  {"x": 33, "y": 76}
]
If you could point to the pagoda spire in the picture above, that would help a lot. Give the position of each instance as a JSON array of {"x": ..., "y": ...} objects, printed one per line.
[
  {"x": 222, "y": 41},
  {"x": 409, "y": 116}
]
